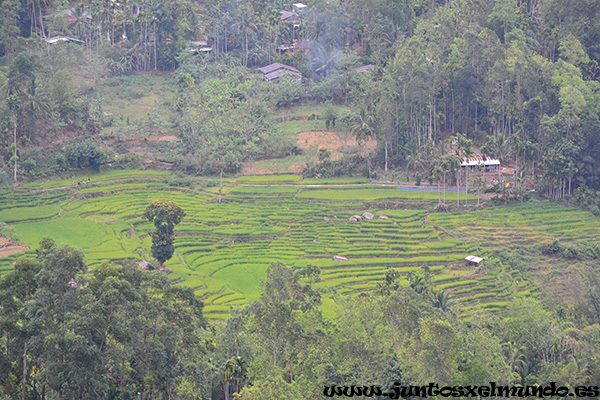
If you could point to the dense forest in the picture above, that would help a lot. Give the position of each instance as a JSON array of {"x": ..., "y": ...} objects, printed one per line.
[{"x": 516, "y": 80}]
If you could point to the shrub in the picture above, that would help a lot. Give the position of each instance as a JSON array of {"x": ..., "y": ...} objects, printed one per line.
[{"x": 83, "y": 153}]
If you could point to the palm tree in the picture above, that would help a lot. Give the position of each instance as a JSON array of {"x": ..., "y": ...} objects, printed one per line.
[
  {"x": 464, "y": 149},
  {"x": 516, "y": 359},
  {"x": 14, "y": 106},
  {"x": 467, "y": 153},
  {"x": 245, "y": 25},
  {"x": 362, "y": 129},
  {"x": 441, "y": 299},
  {"x": 449, "y": 164},
  {"x": 234, "y": 371},
  {"x": 36, "y": 101},
  {"x": 80, "y": 22},
  {"x": 438, "y": 171},
  {"x": 479, "y": 180},
  {"x": 413, "y": 160},
  {"x": 498, "y": 146},
  {"x": 325, "y": 60}
]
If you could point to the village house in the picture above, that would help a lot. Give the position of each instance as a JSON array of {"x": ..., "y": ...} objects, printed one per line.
[
  {"x": 68, "y": 39},
  {"x": 364, "y": 68},
  {"x": 275, "y": 71},
  {"x": 489, "y": 164}
]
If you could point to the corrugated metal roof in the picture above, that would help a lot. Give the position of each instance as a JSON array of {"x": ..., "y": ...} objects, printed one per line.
[
  {"x": 365, "y": 68},
  {"x": 474, "y": 259},
  {"x": 285, "y": 15},
  {"x": 276, "y": 66},
  {"x": 56, "y": 39},
  {"x": 280, "y": 72},
  {"x": 478, "y": 159}
]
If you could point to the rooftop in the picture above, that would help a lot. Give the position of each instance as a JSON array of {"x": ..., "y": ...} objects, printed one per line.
[
  {"x": 364, "y": 68},
  {"x": 277, "y": 66},
  {"x": 281, "y": 72},
  {"x": 479, "y": 159},
  {"x": 56, "y": 39}
]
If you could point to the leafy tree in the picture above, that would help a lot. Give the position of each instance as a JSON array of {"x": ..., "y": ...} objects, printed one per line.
[
  {"x": 60, "y": 343},
  {"x": 164, "y": 215},
  {"x": 86, "y": 152},
  {"x": 9, "y": 29}
]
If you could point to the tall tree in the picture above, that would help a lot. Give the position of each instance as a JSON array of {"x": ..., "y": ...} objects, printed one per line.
[{"x": 164, "y": 215}]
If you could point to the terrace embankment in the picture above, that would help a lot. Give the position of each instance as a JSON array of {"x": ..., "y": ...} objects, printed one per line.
[{"x": 224, "y": 248}]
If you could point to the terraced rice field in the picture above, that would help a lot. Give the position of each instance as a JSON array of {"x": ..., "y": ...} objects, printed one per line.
[
  {"x": 224, "y": 249},
  {"x": 524, "y": 224}
]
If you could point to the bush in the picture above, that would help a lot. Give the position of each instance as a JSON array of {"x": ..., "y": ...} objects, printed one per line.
[
  {"x": 179, "y": 180},
  {"x": 129, "y": 161},
  {"x": 347, "y": 166},
  {"x": 286, "y": 92},
  {"x": 83, "y": 153}
]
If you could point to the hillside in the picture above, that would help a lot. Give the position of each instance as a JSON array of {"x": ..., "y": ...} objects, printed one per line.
[{"x": 223, "y": 249}]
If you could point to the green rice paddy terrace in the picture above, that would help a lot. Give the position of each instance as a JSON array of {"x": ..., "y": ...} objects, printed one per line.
[{"x": 223, "y": 249}]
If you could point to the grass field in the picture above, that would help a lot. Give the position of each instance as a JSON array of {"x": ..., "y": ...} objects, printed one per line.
[{"x": 223, "y": 249}]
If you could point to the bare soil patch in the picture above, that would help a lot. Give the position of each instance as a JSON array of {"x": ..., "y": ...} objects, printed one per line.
[
  {"x": 336, "y": 142},
  {"x": 168, "y": 138},
  {"x": 8, "y": 247},
  {"x": 269, "y": 166}
]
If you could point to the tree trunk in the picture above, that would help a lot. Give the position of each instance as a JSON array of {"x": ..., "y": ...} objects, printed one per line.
[
  {"x": 444, "y": 188},
  {"x": 42, "y": 22},
  {"x": 8, "y": 361},
  {"x": 155, "y": 67},
  {"x": 23, "y": 383},
  {"x": 466, "y": 185},
  {"x": 15, "y": 154},
  {"x": 246, "y": 48},
  {"x": 367, "y": 157},
  {"x": 458, "y": 187},
  {"x": 386, "y": 154}
]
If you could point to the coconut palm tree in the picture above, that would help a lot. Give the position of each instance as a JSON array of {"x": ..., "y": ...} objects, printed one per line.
[
  {"x": 465, "y": 152},
  {"x": 498, "y": 146},
  {"x": 414, "y": 160},
  {"x": 441, "y": 299},
  {"x": 362, "y": 129},
  {"x": 438, "y": 172},
  {"x": 14, "y": 106},
  {"x": 516, "y": 359}
]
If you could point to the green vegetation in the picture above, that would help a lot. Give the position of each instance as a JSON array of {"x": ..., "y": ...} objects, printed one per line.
[
  {"x": 226, "y": 247},
  {"x": 164, "y": 215},
  {"x": 28, "y": 213},
  {"x": 302, "y": 288},
  {"x": 227, "y": 253},
  {"x": 269, "y": 179},
  {"x": 333, "y": 181},
  {"x": 371, "y": 194}
]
